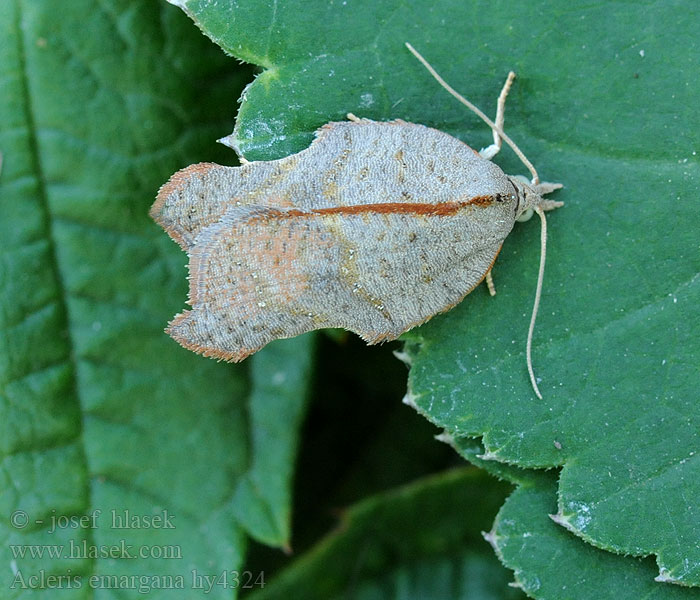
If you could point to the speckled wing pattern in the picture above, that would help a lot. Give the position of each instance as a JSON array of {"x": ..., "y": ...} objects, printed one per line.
[{"x": 375, "y": 228}]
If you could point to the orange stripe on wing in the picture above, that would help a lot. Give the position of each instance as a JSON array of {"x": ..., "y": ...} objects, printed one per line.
[{"x": 441, "y": 209}]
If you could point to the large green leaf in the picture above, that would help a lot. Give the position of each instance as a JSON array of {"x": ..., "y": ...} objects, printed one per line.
[
  {"x": 419, "y": 541},
  {"x": 604, "y": 103},
  {"x": 100, "y": 411},
  {"x": 549, "y": 563}
]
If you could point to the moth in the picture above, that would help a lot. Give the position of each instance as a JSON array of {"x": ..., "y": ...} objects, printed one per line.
[{"x": 374, "y": 228}]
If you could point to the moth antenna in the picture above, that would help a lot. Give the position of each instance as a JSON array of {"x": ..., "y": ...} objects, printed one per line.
[
  {"x": 477, "y": 112},
  {"x": 538, "y": 293}
]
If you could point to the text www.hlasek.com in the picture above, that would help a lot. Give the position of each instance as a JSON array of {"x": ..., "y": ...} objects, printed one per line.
[{"x": 83, "y": 550}]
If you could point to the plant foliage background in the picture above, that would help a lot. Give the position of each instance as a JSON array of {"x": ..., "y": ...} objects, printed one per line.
[{"x": 100, "y": 411}]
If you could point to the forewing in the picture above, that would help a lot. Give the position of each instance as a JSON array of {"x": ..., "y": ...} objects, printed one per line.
[
  {"x": 254, "y": 277},
  {"x": 200, "y": 195},
  {"x": 348, "y": 164},
  {"x": 259, "y": 274},
  {"x": 412, "y": 263}
]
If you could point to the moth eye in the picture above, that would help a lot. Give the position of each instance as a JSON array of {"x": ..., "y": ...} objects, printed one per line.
[{"x": 526, "y": 216}]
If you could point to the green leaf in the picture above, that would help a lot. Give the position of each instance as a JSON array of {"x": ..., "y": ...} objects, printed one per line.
[
  {"x": 550, "y": 563},
  {"x": 100, "y": 411},
  {"x": 419, "y": 541},
  {"x": 604, "y": 103},
  {"x": 276, "y": 403},
  {"x": 618, "y": 355}
]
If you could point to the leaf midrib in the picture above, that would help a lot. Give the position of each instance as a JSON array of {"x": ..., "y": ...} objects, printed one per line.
[{"x": 48, "y": 233}]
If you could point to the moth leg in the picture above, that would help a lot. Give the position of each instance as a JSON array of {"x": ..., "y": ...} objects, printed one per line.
[
  {"x": 489, "y": 283},
  {"x": 353, "y": 118},
  {"x": 491, "y": 151}
]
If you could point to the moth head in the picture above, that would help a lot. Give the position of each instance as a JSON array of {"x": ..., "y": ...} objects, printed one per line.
[
  {"x": 526, "y": 196},
  {"x": 529, "y": 196}
]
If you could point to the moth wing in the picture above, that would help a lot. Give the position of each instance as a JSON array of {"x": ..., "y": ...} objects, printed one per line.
[
  {"x": 260, "y": 274},
  {"x": 345, "y": 165},
  {"x": 251, "y": 282},
  {"x": 408, "y": 267},
  {"x": 199, "y": 195}
]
